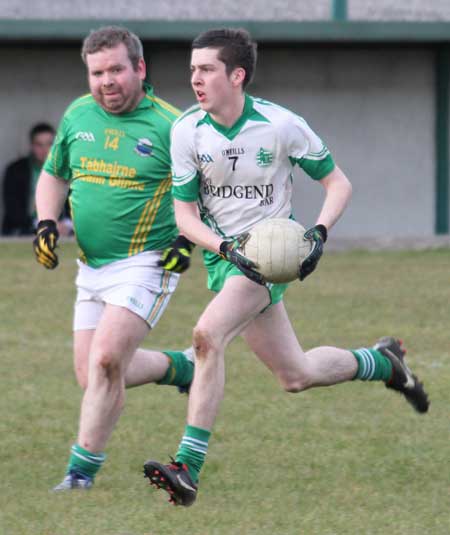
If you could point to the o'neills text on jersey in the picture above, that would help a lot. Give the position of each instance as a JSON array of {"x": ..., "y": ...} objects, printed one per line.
[{"x": 233, "y": 151}]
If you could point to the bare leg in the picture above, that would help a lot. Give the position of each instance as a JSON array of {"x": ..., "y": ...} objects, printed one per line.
[
  {"x": 271, "y": 336},
  {"x": 237, "y": 309},
  {"x": 113, "y": 345},
  {"x": 82, "y": 341},
  {"x": 239, "y": 302},
  {"x": 146, "y": 366}
]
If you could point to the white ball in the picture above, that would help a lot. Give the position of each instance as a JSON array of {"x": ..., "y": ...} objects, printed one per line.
[{"x": 278, "y": 247}]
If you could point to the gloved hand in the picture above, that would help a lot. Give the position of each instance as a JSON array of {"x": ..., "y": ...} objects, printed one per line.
[
  {"x": 318, "y": 236},
  {"x": 177, "y": 257},
  {"x": 229, "y": 251},
  {"x": 45, "y": 243}
]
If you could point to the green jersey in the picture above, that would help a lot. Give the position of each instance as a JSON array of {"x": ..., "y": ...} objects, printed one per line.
[{"x": 118, "y": 167}]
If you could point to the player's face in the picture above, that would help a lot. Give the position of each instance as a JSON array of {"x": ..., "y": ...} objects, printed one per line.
[
  {"x": 41, "y": 145},
  {"x": 113, "y": 82},
  {"x": 213, "y": 88}
]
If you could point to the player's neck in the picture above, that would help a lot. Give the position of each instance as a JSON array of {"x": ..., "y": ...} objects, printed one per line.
[{"x": 230, "y": 111}]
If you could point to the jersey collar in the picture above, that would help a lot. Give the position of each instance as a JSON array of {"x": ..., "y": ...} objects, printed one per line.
[
  {"x": 232, "y": 131},
  {"x": 147, "y": 101}
]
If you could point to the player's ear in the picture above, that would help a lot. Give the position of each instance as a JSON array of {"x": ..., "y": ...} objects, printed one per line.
[
  {"x": 142, "y": 69},
  {"x": 238, "y": 76}
]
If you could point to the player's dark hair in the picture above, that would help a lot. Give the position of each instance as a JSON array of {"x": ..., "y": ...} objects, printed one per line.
[
  {"x": 110, "y": 37},
  {"x": 39, "y": 128},
  {"x": 236, "y": 49}
]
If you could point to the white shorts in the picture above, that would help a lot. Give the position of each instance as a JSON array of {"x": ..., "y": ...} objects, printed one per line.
[{"x": 136, "y": 283}]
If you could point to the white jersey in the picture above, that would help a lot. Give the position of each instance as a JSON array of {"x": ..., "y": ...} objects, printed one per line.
[{"x": 243, "y": 174}]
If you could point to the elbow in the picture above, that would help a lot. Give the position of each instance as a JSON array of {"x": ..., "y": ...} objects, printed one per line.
[
  {"x": 349, "y": 188},
  {"x": 345, "y": 187}
]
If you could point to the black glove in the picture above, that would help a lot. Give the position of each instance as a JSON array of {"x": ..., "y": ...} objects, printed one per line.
[
  {"x": 177, "y": 257},
  {"x": 229, "y": 251},
  {"x": 45, "y": 243},
  {"x": 318, "y": 236}
]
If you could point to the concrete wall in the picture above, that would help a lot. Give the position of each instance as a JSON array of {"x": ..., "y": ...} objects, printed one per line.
[
  {"x": 257, "y": 10},
  {"x": 373, "y": 107},
  {"x": 172, "y": 10},
  {"x": 399, "y": 10}
]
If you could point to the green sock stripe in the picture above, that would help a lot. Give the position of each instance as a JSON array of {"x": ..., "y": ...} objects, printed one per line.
[
  {"x": 193, "y": 449},
  {"x": 366, "y": 364},
  {"x": 180, "y": 371},
  {"x": 96, "y": 458},
  {"x": 195, "y": 445},
  {"x": 86, "y": 459},
  {"x": 85, "y": 462},
  {"x": 372, "y": 365}
]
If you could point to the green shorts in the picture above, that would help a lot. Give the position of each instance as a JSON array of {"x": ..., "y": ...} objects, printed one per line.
[{"x": 220, "y": 270}]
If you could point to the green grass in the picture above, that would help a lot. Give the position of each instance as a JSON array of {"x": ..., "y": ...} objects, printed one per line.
[{"x": 353, "y": 459}]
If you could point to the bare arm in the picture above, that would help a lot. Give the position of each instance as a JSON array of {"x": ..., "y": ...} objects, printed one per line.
[
  {"x": 191, "y": 226},
  {"x": 338, "y": 191},
  {"x": 51, "y": 193}
]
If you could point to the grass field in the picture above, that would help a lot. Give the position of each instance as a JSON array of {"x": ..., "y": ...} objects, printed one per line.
[{"x": 353, "y": 459}]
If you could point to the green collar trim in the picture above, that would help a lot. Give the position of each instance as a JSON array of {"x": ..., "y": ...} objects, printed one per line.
[
  {"x": 248, "y": 113},
  {"x": 146, "y": 102}
]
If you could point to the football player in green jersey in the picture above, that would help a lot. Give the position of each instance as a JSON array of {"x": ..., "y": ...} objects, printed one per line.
[
  {"x": 232, "y": 161},
  {"x": 112, "y": 150}
]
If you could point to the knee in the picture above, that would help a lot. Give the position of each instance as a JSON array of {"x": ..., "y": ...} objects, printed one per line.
[
  {"x": 294, "y": 383},
  {"x": 204, "y": 341},
  {"x": 107, "y": 364}
]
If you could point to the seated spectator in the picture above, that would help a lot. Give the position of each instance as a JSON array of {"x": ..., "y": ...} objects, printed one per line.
[{"x": 19, "y": 184}]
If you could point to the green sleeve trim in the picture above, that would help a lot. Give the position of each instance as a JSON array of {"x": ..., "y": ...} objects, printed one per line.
[
  {"x": 316, "y": 169},
  {"x": 188, "y": 192}
]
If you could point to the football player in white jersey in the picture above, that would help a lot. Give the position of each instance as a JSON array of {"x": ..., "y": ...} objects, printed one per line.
[{"x": 232, "y": 159}]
